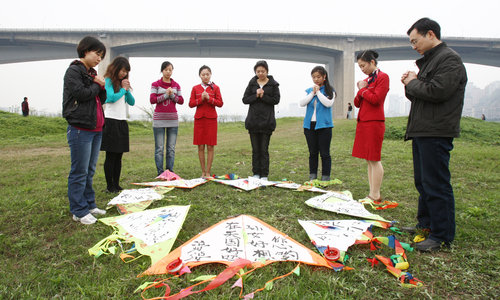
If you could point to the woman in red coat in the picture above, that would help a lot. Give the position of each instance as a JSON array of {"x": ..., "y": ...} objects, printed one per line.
[
  {"x": 371, "y": 121},
  {"x": 205, "y": 97}
]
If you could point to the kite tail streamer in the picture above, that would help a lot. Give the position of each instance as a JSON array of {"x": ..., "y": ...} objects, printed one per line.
[
  {"x": 220, "y": 279},
  {"x": 322, "y": 184},
  {"x": 397, "y": 262},
  {"x": 103, "y": 246},
  {"x": 378, "y": 205},
  {"x": 405, "y": 278}
]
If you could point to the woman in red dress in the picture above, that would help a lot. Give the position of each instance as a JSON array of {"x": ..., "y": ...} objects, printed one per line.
[
  {"x": 371, "y": 121},
  {"x": 205, "y": 97}
]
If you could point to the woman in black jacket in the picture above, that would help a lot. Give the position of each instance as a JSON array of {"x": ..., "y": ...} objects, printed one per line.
[
  {"x": 83, "y": 97},
  {"x": 261, "y": 94}
]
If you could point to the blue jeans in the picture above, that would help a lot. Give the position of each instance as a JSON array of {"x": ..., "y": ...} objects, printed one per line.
[
  {"x": 84, "y": 147},
  {"x": 436, "y": 203},
  {"x": 159, "y": 133}
]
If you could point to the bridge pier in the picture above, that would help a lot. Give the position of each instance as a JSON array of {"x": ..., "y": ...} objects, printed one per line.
[
  {"x": 110, "y": 54},
  {"x": 343, "y": 80}
]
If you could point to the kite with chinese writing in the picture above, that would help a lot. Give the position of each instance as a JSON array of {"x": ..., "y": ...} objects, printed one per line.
[
  {"x": 129, "y": 201},
  {"x": 342, "y": 203},
  {"x": 152, "y": 232},
  {"x": 299, "y": 187},
  {"x": 242, "y": 241},
  {"x": 336, "y": 235},
  {"x": 246, "y": 184}
]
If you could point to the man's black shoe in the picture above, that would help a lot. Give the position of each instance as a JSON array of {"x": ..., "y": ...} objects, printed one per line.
[
  {"x": 409, "y": 229},
  {"x": 111, "y": 190},
  {"x": 430, "y": 245},
  {"x": 414, "y": 229}
]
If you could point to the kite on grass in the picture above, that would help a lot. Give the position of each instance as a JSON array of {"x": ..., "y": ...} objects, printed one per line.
[
  {"x": 129, "y": 201},
  {"x": 239, "y": 242},
  {"x": 332, "y": 238},
  {"x": 299, "y": 187},
  {"x": 183, "y": 183},
  {"x": 168, "y": 175},
  {"x": 246, "y": 184},
  {"x": 231, "y": 176},
  {"x": 322, "y": 183},
  {"x": 151, "y": 232},
  {"x": 342, "y": 203}
]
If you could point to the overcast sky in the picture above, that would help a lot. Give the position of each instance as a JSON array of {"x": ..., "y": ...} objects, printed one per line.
[{"x": 42, "y": 81}]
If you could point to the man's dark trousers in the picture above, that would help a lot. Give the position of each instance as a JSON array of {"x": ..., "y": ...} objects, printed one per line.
[{"x": 436, "y": 203}]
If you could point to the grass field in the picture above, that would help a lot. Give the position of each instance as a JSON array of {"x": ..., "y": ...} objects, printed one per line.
[{"x": 43, "y": 253}]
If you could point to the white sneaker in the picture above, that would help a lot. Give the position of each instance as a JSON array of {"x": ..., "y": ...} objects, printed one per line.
[
  {"x": 97, "y": 212},
  {"x": 87, "y": 219},
  {"x": 264, "y": 178}
]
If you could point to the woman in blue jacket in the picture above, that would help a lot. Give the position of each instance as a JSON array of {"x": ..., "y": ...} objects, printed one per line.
[{"x": 318, "y": 122}]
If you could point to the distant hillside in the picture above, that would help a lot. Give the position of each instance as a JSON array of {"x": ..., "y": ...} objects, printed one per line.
[{"x": 14, "y": 127}]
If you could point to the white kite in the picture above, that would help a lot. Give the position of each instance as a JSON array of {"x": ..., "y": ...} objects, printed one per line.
[
  {"x": 135, "y": 196},
  {"x": 152, "y": 232},
  {"x": 299, "y": 187},
  {"x": 246, "y": 184},
  {"x": 342, "y": 203}
]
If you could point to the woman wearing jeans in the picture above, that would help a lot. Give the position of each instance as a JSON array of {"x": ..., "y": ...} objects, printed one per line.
[
  {"x": 83, "y": 95},
  {"x": 165, "y": 93}
]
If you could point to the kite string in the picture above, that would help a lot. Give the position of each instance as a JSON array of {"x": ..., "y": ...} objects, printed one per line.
[
  {"x": 124, "y": 257},
  {"x": 157, "y": 284},
  {"x": 241, "y": 277},
  {"x": 276, "y": 278}
]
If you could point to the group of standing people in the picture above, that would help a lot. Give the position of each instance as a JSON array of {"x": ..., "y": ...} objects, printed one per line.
[
  {"x": 436, "y": 94},
  {"x": 261, "y": 94}
]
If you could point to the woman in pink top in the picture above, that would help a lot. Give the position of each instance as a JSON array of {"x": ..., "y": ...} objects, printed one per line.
[{"x": 165, "y": 93}]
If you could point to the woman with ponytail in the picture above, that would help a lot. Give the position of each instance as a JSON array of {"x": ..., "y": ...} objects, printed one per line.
[
  {"x": 318, "y": 122},
  {"x": 371, "y": 120}
]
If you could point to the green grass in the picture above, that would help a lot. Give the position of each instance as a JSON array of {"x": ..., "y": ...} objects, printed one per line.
[{"x": 43, "y": 253}]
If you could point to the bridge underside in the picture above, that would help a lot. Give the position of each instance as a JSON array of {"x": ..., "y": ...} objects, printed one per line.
[{"x": 338, "y": 56}]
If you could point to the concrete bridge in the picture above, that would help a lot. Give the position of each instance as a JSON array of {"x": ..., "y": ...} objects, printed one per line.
[{"x": 336, "y": 51}]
